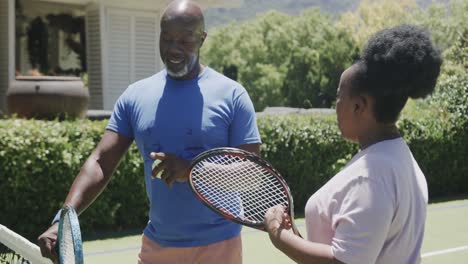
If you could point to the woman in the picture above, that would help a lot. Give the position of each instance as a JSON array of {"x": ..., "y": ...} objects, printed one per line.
[{"x": 374, "y": 210}]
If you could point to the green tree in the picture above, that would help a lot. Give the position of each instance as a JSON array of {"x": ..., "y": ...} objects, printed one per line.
[
  {"x": 321, "y": 52},
  {"x": 253, "y": 53},
  {"x": 281, "y": 59},
  {"x": 372, "y": 16},
  {"x": 456, "y": 57},
  {"x": 446, "y": 22}
]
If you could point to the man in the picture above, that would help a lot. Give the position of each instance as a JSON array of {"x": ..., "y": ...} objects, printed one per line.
[{"x": 172, "y": 116}]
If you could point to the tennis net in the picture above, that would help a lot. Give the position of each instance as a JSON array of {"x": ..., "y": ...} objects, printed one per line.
[{"x": 15, "y": 249}]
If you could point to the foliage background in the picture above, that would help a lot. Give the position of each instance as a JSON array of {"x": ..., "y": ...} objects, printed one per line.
[
  {"x": 281, "y": 60},
  {"x": 297, "y": 61}
]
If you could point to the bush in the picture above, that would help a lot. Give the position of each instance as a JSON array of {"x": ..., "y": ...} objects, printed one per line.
[
  {"x": 307, "y": 151},
  {"x": 38, "y": 162}
]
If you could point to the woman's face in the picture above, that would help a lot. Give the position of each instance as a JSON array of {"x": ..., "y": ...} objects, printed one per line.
[{"x": 346, "y": 107}]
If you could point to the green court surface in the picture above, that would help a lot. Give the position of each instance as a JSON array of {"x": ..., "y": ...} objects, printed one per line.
[{"x": 445, "y": 241}]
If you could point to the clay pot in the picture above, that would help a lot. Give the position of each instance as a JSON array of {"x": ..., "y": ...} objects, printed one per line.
[{"x": 47, "y": 97}]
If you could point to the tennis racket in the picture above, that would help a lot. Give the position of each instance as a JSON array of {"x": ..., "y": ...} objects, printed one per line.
[
  {"x": 69, "y": 237},
  {"x": 240, "y": 186}
]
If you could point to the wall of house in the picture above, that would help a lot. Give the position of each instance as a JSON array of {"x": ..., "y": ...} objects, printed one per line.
[
  {"x": 61, "y": 57},
  {"x": 122, "y": 48},
  {"x": 5, "y": 62},
  {"x": 132, "y": 51},
  {"x": 122, "y": 43},
  {"x": 94, "y": 57}
]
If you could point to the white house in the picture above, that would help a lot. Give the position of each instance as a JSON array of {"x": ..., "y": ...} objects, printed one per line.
[{"x": 121, "y": 41}]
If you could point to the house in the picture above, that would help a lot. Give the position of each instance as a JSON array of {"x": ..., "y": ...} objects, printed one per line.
[{"x": 120, "y": 41}]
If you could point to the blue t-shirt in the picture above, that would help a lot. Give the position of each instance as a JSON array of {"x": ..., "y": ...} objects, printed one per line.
[{"x": 185, "y": 118}]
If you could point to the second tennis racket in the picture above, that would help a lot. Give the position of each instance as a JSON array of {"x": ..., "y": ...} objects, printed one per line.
[{"x": 239, "y": 186}]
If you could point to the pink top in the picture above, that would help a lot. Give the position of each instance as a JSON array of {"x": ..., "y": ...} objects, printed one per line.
[{"x": 374, "y": 210}]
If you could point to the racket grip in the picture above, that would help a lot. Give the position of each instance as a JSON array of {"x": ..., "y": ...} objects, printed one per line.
[
  {"x": 296, "y": 231},
  {"x": 156, "y": 162}
]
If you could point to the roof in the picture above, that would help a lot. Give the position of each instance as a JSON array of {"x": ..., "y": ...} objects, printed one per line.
[{"x": 148, "y": 4}]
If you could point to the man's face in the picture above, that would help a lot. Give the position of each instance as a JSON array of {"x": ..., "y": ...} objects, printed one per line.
[{"x": 179, "y": 46}]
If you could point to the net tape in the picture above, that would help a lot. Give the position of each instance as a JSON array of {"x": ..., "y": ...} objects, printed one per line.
[{"x": 16, "y": 249}]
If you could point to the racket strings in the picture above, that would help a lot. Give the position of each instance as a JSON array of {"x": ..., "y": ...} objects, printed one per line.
[{"x": 238, "y": 187}]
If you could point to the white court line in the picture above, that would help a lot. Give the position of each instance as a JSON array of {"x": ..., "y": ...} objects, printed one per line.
[
  {"x": 252, "y": 230},
  {"x": 445, "y": 251}
]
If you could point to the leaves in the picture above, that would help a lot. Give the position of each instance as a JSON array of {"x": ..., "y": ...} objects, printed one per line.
[
  {"x": 38, "y": 162},
  {"x": 281, "y": 59}
]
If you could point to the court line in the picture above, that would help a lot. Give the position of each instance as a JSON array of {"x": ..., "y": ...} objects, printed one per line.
[
  {"x": 111, "y": 251},
  {"x": 445, "y": 251},
  {"x": 251, "y": 231},
  {"x": 455, "y": 206},
  {"x": 424, "y": 255}
]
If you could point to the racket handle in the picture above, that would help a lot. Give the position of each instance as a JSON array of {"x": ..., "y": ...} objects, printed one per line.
[
  {"x": 295, "y": 230},
  {"x": 154, "y": 165}
]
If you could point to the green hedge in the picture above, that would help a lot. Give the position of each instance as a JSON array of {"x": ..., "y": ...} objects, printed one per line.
[
  {"x": 39, "y": 160},
  {"x": 306, "y": 150}
]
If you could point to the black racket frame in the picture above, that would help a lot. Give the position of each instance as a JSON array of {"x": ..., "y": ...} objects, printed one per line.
[{"x": 253, "y": 158}]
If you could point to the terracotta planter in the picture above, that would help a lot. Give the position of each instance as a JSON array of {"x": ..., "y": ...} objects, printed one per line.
[{"x": 47, "y": 97}]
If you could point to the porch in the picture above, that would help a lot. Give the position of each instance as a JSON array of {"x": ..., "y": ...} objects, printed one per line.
[{"x": 110, "y": 43}]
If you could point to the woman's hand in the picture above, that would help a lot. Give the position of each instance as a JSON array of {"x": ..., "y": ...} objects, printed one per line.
[
  {"x": 277, "y": 219},
  {"x": 171, "y": 167}
]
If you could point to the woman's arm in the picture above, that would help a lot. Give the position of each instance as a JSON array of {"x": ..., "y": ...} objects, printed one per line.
[{"x": 298, "y": 249}]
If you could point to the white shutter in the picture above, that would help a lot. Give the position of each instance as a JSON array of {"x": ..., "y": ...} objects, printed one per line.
[
  {"x": 94, "y": 57},
  {"x": 145, "y": 53},
  {"x": 131, "y": 50},
  {"x": 118, "y": 52}
]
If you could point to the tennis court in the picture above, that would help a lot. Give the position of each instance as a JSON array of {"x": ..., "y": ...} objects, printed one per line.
[{"x": 446, "y": 241}]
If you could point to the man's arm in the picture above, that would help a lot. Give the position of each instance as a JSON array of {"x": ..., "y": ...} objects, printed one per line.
[
  {"x": 96, "y": 172},
  {"x": 89, "y": 183}
]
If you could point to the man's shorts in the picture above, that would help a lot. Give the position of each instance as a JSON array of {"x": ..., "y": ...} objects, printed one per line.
[{"x": 227, "y": 251}]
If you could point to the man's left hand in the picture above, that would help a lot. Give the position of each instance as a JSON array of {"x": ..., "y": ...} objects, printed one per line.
[{"x": 171, "y": 167}]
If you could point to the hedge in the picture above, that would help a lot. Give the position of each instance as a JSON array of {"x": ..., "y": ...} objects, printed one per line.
[{"x": 39, "y": 160}]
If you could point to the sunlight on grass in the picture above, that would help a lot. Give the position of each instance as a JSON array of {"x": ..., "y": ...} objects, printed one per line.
[{"x": 446, "y": 228}]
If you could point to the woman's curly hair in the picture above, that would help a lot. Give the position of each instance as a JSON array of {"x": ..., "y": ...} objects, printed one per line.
[{"x": 397, "y": 63}]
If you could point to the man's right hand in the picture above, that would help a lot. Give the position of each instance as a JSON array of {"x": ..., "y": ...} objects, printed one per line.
[{"x": 48, "y": 243}]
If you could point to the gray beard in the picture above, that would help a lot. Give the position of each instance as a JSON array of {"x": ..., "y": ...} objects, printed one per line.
[{"x": 184, "y": 71}]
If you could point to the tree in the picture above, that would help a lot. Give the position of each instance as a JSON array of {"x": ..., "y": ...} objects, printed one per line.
[
  {"x": 283, "y": 60},
  {"x": 253, "y": 53},
  {"x": 321, "y": 52},
  {"x": 373, "y": 16},
  {"x": 446, "y": 22}
]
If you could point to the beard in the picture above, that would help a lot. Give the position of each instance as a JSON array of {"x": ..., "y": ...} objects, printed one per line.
[{"x": 188, "y": 67}]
